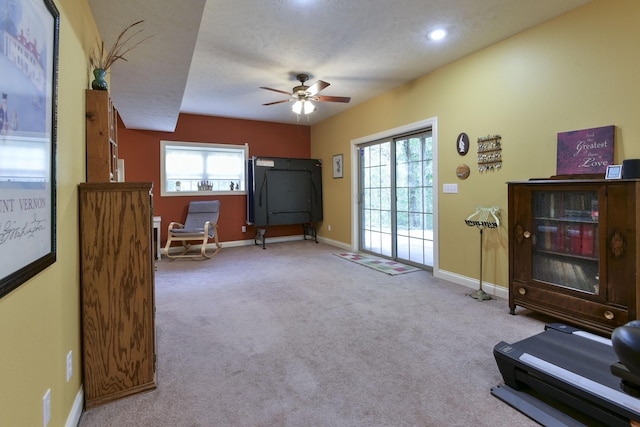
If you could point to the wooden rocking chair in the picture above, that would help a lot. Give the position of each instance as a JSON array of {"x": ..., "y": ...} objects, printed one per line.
[{"x": 200, "y": 226}]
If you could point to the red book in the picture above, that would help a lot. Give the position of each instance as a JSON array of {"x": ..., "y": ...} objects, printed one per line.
[
  {"x": 574, "y": 239},
  {"x": 588, "y": 231},
  {"x": 561, "y": 237}
]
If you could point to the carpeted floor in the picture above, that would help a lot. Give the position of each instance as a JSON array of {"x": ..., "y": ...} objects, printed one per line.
[
  {"x": 294, "y": 336},
  {"x": 377, "y": 263}
]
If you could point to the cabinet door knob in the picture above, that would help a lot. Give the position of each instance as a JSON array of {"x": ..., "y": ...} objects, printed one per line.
[
  {"x": 526, "y": 234},
  {"x": 608, "y": 315},
  {"x": 522, "y": 291}
]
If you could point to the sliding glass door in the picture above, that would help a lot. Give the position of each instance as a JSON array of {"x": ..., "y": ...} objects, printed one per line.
[
  {"x": 396, "y": 198},
  {"x": 377, "y": 226}
]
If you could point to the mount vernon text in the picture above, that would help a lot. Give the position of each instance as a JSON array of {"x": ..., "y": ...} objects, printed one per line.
[{"x": 26, "y": 223}]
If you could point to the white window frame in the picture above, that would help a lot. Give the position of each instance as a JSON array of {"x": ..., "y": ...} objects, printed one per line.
[{"x": 202, "y": 147}]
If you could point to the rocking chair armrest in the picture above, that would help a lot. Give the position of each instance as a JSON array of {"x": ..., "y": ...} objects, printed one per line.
[
  {"x": 174, "y": 224},
  {"x": 208, "y": 225}
]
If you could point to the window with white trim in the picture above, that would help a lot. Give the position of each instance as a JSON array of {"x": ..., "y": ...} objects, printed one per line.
[{"x": 195, "y": 168}]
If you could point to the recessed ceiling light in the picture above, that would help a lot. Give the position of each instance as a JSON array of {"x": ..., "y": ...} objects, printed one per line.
[{"x": 437, "y": 34}]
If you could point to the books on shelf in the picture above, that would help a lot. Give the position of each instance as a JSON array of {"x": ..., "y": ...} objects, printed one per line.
[
  {"x": 567, "y": 223},
  {"x": 570, "y": 238},
  {"x": 548, "y": 236}
]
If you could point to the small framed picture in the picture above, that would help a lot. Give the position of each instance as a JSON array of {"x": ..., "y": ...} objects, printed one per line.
[
  {"x": 462, "y": 144},
  {"x": 338, "y": 167},
  {"x": 613, "y": 172}
]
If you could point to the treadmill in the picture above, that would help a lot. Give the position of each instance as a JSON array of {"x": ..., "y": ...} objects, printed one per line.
[{"x": 565, "y": 377}]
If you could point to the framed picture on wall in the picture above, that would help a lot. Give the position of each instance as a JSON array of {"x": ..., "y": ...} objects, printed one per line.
[
  {"x": 462, "y": 144},
  {"x": 338, "y": 166},
  {"x": 28, "y": 127}
]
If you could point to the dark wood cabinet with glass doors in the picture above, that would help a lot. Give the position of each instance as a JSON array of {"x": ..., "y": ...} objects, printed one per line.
[{"x": 572, "y": 250}]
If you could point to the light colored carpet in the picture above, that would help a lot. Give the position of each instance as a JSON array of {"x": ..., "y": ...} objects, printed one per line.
[
  {"x": 377, "y": 263},
  {"x": 294, "y": 336}
]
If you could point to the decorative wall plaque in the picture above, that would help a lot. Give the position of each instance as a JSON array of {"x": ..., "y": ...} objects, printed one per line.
[
  {"x": 587, "y": 151},
  {"x": 462, "y": 171},
  {"x": 462, "y": 144},
  {"x": 489, "y": 153}
]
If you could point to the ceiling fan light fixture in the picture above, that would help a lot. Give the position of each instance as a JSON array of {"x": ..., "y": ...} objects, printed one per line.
[
  {"x": 309, "y": 107},
  {"x": 303, "y": 106},
  {"x": 297, "y": 107},
  {"x": 302, "y": 95}
]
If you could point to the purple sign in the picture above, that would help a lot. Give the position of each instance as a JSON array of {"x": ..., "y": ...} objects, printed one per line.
[{"x": 587, "y": 151}]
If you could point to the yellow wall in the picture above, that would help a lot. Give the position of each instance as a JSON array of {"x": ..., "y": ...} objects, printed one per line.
[
  {"x": 577, "y": 71},
  {"x": 574, "y": 72},
  {"x": 40, "y": 321}
]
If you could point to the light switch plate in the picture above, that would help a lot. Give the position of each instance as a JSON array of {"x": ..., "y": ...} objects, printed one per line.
[{"x": 450, "y": 188}]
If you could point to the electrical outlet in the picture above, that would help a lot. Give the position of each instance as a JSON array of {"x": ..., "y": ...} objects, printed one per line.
[
  {"x": 329, "y": 227},
  {"x": 450, "y": 188},
  {"x": 69, "y": 365},
  {"x": 46, "y": 408},
  {"x": 244, "y": 228}
]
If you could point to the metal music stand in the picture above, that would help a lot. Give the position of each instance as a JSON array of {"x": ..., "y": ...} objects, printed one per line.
[{"x": 483, "y": 218}]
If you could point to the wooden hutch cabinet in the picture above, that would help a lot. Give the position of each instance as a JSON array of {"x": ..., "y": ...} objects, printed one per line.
[
  {"x": 573, "y": 250},
  {"x": 117, "y": 290},
  {"x": 102, "y": 137}
]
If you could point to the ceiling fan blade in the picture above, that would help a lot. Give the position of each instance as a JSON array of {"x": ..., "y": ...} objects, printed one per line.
[
  {"x": 276, "y": 90},
  {"x": 317, "y": 87},
  {"x": 278, "y": 102},
  {"x": 333, "y": 98}
]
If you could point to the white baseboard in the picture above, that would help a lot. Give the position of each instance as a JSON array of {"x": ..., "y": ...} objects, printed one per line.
[
  {"x": 341, "y": 245},
  {"x": 238, "y": 243},
  {"x": 76, "y": 411},
  {"x": 234, "y": 243},
  {"x": 281, "y": 239},
  {"x": 490, "y": 288}
]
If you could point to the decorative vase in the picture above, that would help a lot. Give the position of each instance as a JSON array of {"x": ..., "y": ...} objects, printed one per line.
[{"x": 99, "y": 83}]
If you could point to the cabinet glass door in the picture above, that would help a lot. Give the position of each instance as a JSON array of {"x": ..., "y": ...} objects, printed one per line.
[{"x": 565, "y": 244}]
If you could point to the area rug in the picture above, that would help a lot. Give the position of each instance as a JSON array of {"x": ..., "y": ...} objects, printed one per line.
[{"x": 377, "y": 263}]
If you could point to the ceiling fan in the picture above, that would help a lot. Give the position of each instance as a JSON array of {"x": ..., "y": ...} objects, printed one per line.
[{"x": 302, "y": 95}]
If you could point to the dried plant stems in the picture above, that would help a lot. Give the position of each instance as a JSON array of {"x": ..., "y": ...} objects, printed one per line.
[{"x": 104, "y": 59}]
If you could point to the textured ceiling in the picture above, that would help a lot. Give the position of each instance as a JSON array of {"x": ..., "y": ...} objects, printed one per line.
[{"x": 211, "y": 56}]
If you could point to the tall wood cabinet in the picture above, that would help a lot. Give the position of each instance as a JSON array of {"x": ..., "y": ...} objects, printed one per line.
[
  {"x": 117, "y": 281},
  {"x": 573, "y": 250},
  {"x": 101, "y": 137}
]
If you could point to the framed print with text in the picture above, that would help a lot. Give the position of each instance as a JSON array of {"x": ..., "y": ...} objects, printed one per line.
[
  {"x": 586, "y": 151},
  {"x": 28, "y": 127}
]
